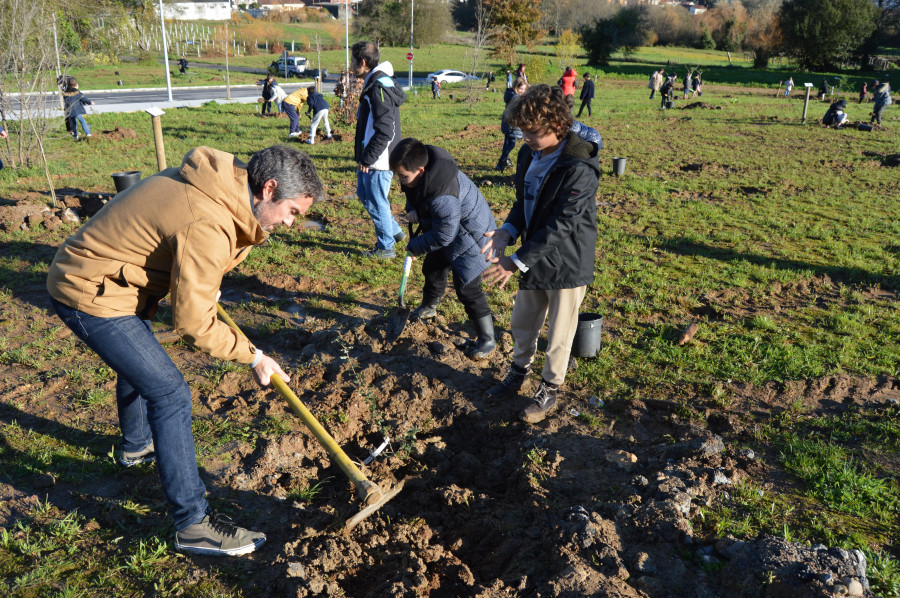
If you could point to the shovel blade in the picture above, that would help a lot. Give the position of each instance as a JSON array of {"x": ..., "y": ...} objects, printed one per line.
[{"x": 396, "y": 323}]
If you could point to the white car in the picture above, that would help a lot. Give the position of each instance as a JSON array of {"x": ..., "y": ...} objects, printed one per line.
[{"x": 449, "y": 76}]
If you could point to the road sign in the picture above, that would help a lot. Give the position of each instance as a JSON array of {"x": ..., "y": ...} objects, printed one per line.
[{"x": 409, "y": 55}]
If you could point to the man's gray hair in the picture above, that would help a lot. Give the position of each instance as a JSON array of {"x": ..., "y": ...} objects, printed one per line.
[{"x": 292, "y": 169}]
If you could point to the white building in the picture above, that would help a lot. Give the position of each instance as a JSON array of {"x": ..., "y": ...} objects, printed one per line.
[{"x": 192, "y": 10}]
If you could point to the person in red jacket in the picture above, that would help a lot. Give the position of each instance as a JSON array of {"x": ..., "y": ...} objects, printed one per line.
[{"x": 568, "y": 81}]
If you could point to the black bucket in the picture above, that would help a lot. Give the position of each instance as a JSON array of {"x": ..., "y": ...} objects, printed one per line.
[
  {"x": 618, "y": 166},
  {"x": 124, "y": 180},
  {"x": 587, "y": 336}
]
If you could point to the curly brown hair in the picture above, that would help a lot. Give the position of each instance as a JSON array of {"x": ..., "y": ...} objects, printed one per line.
[{"x": 541, "y": 108}]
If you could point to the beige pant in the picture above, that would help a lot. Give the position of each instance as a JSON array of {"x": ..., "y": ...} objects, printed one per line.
[{"x": 529, "y": 312}]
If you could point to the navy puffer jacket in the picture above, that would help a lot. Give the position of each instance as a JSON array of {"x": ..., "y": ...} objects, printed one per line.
[{"x": 453, "y": 213}]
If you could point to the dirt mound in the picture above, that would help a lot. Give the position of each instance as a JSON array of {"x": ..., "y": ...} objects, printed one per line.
[
  {"x": 119, "y": 133},
  {"x": 702, "y": 105},
  {"x": 886, "y": 159}
]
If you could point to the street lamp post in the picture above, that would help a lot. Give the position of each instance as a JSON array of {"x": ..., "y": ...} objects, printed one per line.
[
  {"x": 162, "y": 24},
  {"x": 412, "y": 11}
]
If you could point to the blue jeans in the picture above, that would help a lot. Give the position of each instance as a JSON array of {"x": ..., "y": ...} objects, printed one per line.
[
  {"x": 292, "y": 115},
  {"x": 153, "y": 400},
  {"x": 372, "y": 188},
  {"x": 74, "y": 120}
]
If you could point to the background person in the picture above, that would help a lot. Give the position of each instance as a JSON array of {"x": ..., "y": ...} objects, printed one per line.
[
  {"x": 268, "y": 92},
  {"x": 569, "y": 81},
  {"x": 835, "y": 116},
  {"x": 318, "y": 108},
  {"x": 291, "y": 105},
  {"x": 788, "y": 86},
  {"x": 510, "y": 134},
  {"x": 656, "y": 81},
  {"x": 454, "y": 217},
  {"x": 377, "y": 133},
  {"x": 176, "y": 233},
  {"x": 75, "y": 101},
  {"x": 881, "y": 93},
  {"x": 587, "y": 95},
  {"x": 555, "y": 216},
  {"x": 3, "y": 135}
]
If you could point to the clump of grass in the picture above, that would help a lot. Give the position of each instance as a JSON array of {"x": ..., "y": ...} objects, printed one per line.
[
  {"x": 883, "y": 572},
  {"x": 306, "y": 493},
  {"x": 838, "y": 480}
]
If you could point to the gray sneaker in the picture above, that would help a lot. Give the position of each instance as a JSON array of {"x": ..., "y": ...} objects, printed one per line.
[
  {"x": 145, "y": 455},
  {"x": 217, "y": 535}
]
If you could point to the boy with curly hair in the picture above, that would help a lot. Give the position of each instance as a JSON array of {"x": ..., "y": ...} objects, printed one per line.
[{"x": 555, "y": 216}]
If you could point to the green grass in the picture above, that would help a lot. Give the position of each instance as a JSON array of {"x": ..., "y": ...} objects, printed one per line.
[{"x": 840, "y": 481}]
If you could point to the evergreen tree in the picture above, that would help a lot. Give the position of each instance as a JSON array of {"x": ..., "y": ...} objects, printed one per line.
[{"x": 824, "y": 33}]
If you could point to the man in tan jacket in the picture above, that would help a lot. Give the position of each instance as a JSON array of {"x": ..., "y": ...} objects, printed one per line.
[{"x": 176, "y": 233}]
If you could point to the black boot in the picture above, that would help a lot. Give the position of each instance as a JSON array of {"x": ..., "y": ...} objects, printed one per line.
[
  {"x": 510, "y": 385},
  {"x": 426, "y": 311},
  {"x": 484, "y": 328},
  {"x": 543, "y": 403}
]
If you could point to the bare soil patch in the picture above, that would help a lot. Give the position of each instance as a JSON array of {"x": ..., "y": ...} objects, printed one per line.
[{"x": 491, "y": 507}]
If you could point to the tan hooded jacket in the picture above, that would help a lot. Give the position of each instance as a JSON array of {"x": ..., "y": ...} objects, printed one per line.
[{"x": 178, "y": 231}]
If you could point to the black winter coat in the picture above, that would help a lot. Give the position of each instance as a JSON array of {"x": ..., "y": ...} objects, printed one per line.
[
  {"x": 559, "y": 246},
  {"x": 587, "y": 91}
]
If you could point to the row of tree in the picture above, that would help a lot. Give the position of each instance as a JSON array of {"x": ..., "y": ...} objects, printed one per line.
[{"x": 821, "y": 34}]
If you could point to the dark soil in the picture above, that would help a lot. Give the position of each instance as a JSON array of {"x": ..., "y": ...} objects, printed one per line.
[{"x": 491, "y": 507}]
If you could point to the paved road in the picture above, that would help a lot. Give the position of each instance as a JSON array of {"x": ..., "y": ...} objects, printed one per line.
[{"x": 136, "y": 100}]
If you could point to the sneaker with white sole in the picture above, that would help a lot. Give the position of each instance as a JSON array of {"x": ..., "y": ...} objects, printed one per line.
[
  {"x": 295, "y": 134},
  {"x": 217, "y": 535},
  {"x": 145, "y": 455}
]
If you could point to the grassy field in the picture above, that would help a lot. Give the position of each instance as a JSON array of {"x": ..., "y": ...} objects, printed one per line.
[{"x": 780, "y": 240}]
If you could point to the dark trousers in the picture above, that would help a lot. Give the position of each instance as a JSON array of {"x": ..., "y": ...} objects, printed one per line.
[
  {"x": 878, "y": 113},
  {"x": 509, "y": 144},
  {"x": 652, "y": 93},
  {"x": 435, "y": 268},
  {"x": 267, "y": 106},
  {"x": 585, "y": 102},
  {"x": 292, "y": 116}
]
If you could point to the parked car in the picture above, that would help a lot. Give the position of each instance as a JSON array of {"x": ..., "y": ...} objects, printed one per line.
[
  {"x": 450, "y": 76},
  {"x": 313, "y": 73},
  {"x": 296, "y": 66}
]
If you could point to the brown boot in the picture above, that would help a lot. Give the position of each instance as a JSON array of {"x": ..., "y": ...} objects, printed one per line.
[
  {"x": 510, "y": 385},
  {"x": 542, "y": 404}
]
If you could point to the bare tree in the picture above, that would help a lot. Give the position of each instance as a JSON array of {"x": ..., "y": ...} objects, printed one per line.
[
  {"x": 28, "y": 70},
  {"x": 479, "y": 42}
]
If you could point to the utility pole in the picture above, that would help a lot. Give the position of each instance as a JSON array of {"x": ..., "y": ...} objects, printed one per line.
[{"x": 165, "y": 49}]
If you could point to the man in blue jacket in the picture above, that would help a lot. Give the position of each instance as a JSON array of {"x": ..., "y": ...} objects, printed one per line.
[
  {"x": 377, "y": 133},
  {"x": 454, "y": 217}
]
